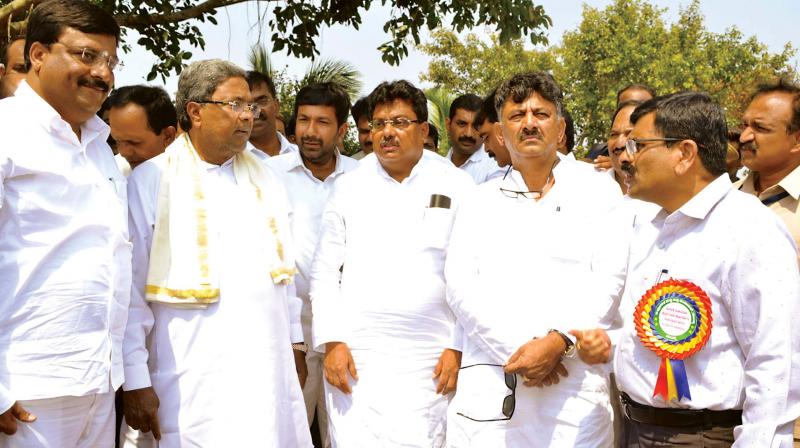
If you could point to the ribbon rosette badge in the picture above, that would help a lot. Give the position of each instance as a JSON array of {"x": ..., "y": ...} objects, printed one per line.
[{"x": 673, "y": 319}]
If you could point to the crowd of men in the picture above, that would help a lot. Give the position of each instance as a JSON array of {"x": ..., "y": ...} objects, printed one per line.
[{"x": 224, "y": 278}]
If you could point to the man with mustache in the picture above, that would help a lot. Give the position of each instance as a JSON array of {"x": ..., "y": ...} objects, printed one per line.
[
  {"x": 143, "y": 122},
  {"x": 12, "y": 65},
  {"x": 308, "y": 175},
  {"x": 492, "y": 132},
  {"x": 621, "y": 126},
  {"x": 707, "y": 356},
  {"x": 265, "y": 139},
  {"x": 65, "y": 259},
  {"x": 208, "y": 345},
  {"x": 466, "y": 144},
  {"x": 360, "y": 113},
  {"x": 770, "y": 147},
  {"x": 533, "y": 290},
  {"x": 377, "y": 285}
]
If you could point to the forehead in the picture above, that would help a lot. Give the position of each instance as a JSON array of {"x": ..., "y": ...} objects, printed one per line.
[
  {"x": 534, "y": 101},
  {"x": 234, "y": 88},
  {"x": 645, "y": 127},
  {"x": 260, "y": 89},
  {"x": 129, "y": 118},
  {"x": 397, "y": 108},
  {"x": 316, "y": 110},
  {"x": 771, "y": 106},
  {"x": 635, "y": 94},
  {"x": 623, "y": 118},
  {"x": 15, "y": 51},
  {"x": 101, "y": 42},
  {"x": 464, "y": 114}
]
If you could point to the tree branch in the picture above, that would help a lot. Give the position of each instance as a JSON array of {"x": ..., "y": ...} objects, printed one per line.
[
  {"x": 9, "y": 11},
  {"x": 136, "y": 20}
]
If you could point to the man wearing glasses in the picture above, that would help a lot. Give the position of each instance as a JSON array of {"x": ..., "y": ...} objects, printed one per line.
[
  {"x": 65, "y": 259},
  {"x": 377, "y": 284},
  {"x": 265, "y": 138},
  {"x": 208, "y": 346},
  {"x": 708, "y": 351},
  {"x": 531, "y": 294}
]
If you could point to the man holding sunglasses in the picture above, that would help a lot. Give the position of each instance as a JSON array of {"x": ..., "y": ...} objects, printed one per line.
[
  {"x": 708, "y": 351},
  {"x": 526, "y": 292}
]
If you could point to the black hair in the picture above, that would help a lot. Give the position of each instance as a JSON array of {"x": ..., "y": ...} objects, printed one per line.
[
  {"x": 521, "y": 86},
  {"x": 387, "y": 92},
  {"x": 488, "y": 111},
  {"x": 48, "y": 20},
  {"x": 691, "y": 116},
  {"x": 256, "y": 78},
  {"x": 783, "y": 85},
  {"x": 644, "y": 87},
  {"x": 154, "y": 100},
  {"x": 290, "y": 126},
  {"x": 4, "y": 44},
  {"x": 433, "y": 133},
  {"x": 569, "y": 131},
  {"x": 325, "y": 94},
  {"x": 360, "y": 109},
  {"x": 469, "y": 101}
]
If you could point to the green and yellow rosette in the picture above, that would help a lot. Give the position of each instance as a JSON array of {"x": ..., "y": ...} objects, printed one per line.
[{"x": 673, "y": 319}]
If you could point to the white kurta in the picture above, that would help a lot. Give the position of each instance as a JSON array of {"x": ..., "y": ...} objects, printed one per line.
[
  {"x": 390, "y": 307},
  {"x": 225, "y": 375},
  {"x": 534, "y": 268},
  {"x": 480, "y": 166}
]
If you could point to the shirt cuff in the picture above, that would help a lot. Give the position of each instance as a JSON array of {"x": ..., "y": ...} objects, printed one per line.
[
  {"x": 136, "y": 377},
  {"x": 296, "y": 333},
  {"x": 457, "y": 341},
  {"x": 6, "y": 400}
]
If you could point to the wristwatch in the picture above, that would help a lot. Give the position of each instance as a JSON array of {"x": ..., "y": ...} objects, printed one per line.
[
  {"x": 569, "y": 352},
  {"x": 300, "y": 346}
]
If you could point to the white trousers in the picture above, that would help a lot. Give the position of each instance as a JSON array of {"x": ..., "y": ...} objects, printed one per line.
[
  {"x": 66, "y": 422},
  {"x": 314, "y": 395}
]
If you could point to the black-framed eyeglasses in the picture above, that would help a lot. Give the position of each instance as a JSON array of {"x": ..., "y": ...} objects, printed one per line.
[
  {"x": 633, "y": 146},
  {"x": 398, "y": 123},
  {"x": 92, "y": 57},
  {"x": 509, "y": 403},
  {"x": 237, "y": 106}
]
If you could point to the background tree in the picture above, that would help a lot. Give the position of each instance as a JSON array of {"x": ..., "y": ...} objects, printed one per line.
[
  {"x": 626, "y": 42},
  {"x": 167, "y": 26},
  {"x": 439, "y": 101}
]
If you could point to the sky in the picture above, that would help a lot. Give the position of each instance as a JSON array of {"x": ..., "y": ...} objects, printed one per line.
[{"x": 773, "y": 22}]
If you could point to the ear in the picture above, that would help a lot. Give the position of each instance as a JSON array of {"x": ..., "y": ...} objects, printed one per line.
[
  {"x": 498, "y": 132},
  {"x": 193, "y": 111},
  {"x": 562, "y": 130},
  {"x": 424, "y": 127},
  {"x": 689, "y": 157},
  {"x": 37, "y": 54},
  {"x": 2, "y": 70},
  {"x": 447, "y": 122},
  {"x": 342, "y": 130},
  {"x": 795, "y": 149},
  {"x": 168, "y": 135}
]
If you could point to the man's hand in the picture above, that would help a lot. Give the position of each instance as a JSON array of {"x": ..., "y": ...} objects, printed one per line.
[
  {"x": 300, "y": 366},
  {"x": 8, "y": 419},
  {"x": 594, "y": 346},
  {"x": 537, "y": 359},
  {"x": 602, "y": 163},
  {"x": 338, "y": 362},
  {"x": 447, "y": 371},
  {"x": 551, "y": 379},
  {"x": 140, "y": 407}
]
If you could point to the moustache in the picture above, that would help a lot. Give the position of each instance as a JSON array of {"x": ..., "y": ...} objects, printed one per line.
[
  {"x": 94, "y": 83},
  {"x": 627, "y": 167},
  {"x": 467, "y": 140},
  {"x": 388, "y": 141},
  {"x": 749, "y": 146},
  {"x": 307, "y": 140},
  {"x": 532, "y": 133}
]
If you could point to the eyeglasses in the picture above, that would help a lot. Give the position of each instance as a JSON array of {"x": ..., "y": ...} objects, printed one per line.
[
  {"x": 398, "y": 123},
  {"x": 237, "y": 106},
  {"x": 633, "y": 146},
  {"x": 91, "y": 57},
  {"x": 265, "y": 101},
  {"x": 509, "y": 403}
]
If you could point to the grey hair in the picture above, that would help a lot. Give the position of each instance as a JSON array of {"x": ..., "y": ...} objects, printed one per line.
[{"x": 198, "y": 82}]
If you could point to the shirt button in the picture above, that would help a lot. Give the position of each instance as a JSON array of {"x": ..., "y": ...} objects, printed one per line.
[{"x": 662, "y": 246}]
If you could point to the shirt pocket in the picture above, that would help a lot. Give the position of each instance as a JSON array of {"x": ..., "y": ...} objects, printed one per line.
[{"x": 436, "y": 226}]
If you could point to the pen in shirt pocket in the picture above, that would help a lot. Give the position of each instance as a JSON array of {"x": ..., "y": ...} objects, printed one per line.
[{"x": 113, "y": 184}]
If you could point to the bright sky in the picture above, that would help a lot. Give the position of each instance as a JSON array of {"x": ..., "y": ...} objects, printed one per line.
[{"x": 773, "y": 22}]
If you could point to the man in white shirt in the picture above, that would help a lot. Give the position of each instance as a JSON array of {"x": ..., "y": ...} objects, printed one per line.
[
  {"x": 265, "y": 140},
  {"x": 466, "y": 144},
  {"x": 621, "y": 126},
  {"x": 65, "y": 259},
  {"x": 377, "y": 284},
  {"x": 143, "y": 122},
  {"x": 208, "y": 355},
  {"x": 308, "y": 175},
  {"x": 706, "y": 354},
  {"x": 492, "y": 132},
  {"x": 12, "y": 64},
  {"x": 529, "y": 287}
]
